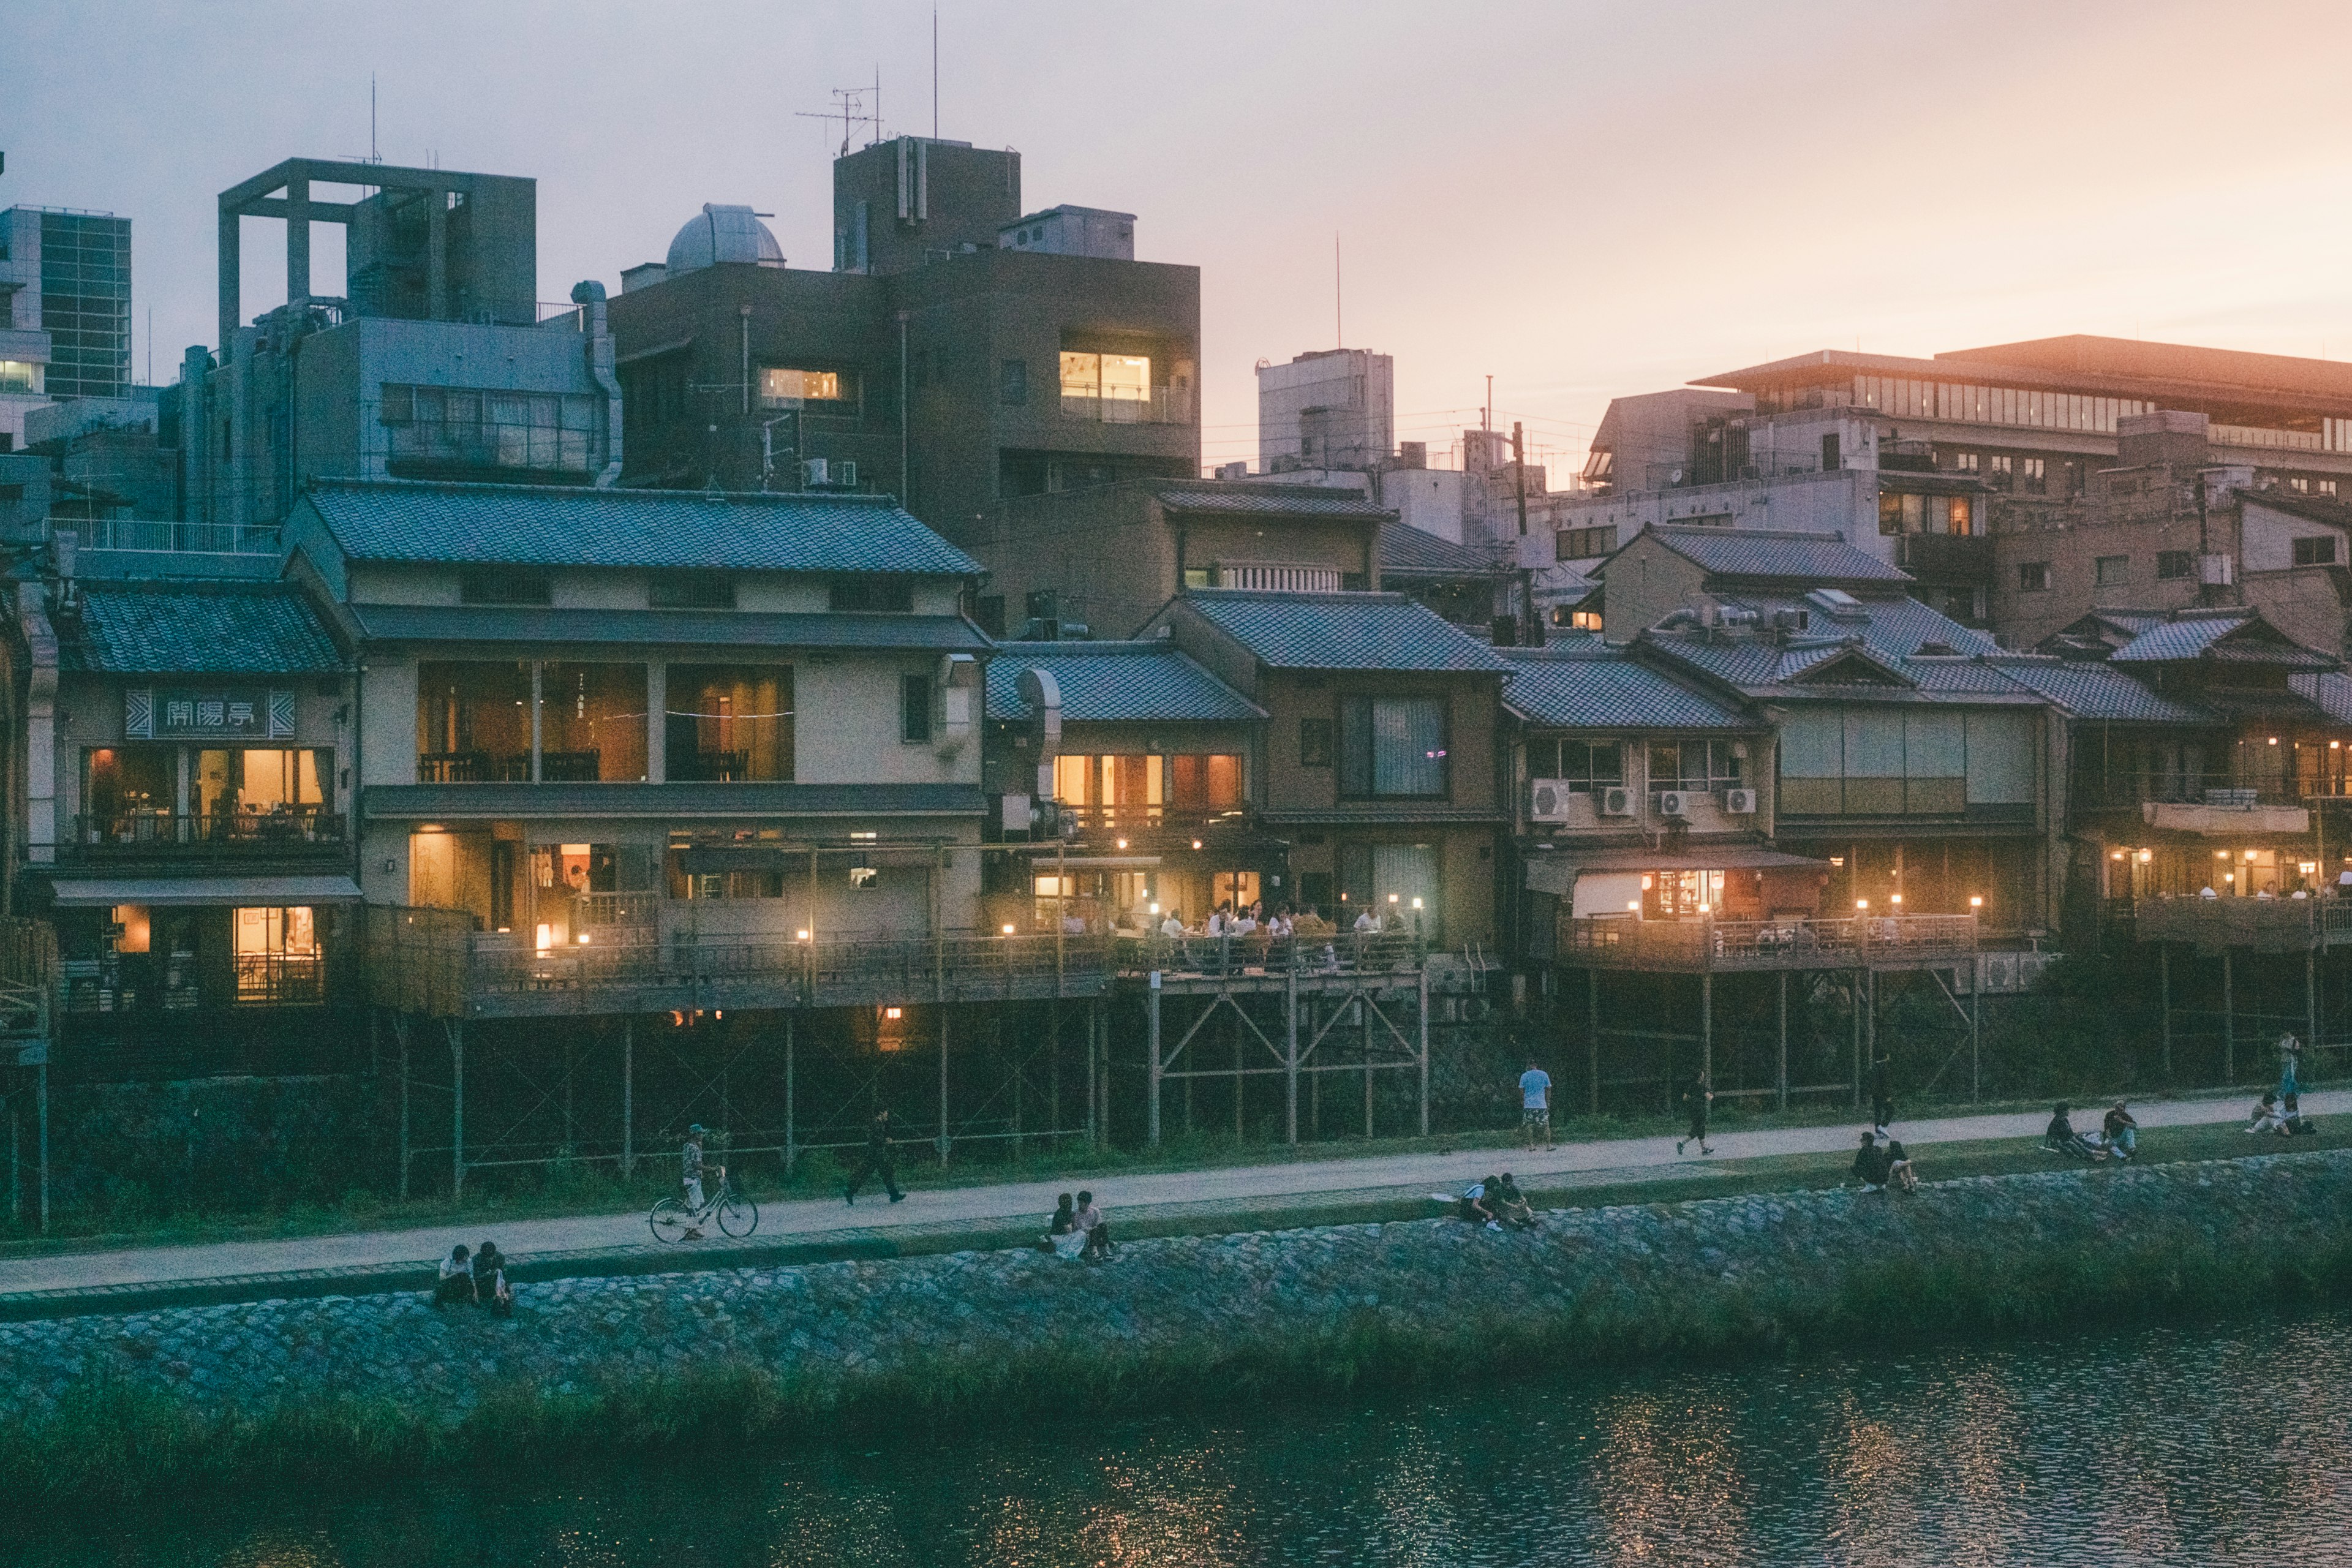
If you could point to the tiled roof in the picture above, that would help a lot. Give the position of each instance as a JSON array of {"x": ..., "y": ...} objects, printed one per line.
[
  {"x": 1343, "y": 631},
  {"x": 214, "y": 628},
  {"x": 2099, "y": 691},
  {"x": 1233, "y": 497},
  {"x": 2211, "y": 636},
  {"x": 1763, "y": 554},
  {"x": 526, "y": 525},
  {"x": 1409, "y": 552},
  {"x": 576, "y": 802},
  {"x": 2330, "y": 690},
  {"x": 1109, "y": 681},
  {"x": 729, "y": 628},
  {"x": 1592, "y": 690}
]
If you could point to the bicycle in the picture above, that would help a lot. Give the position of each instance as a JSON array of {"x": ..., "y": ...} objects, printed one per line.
[{"x": 735, "y": 1215}]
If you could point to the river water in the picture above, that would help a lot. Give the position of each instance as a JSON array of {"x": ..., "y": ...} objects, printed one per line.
[{"x": 2202, "y": 1445}]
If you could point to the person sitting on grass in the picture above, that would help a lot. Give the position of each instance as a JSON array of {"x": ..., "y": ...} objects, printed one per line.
[
  {"x": 2121, "y": 1131},
  {"x": 1094, "y": 1227},
  {"x": 2296, "y": 1124},
  {"x": 1899, "y": 1173},
  {"x": 1510, "y": 1204},
  {"x": 2268, "y": 1117},
  {"x": 456, "y": 1281},
  {"x": 1064, "y": 1236},
  {"x": 1869, "y": 1165},
  {"x": 2061, "y": 1139}
]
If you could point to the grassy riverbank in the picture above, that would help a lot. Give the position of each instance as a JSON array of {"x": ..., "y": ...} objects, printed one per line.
[{"x": 109, "y": 1439}]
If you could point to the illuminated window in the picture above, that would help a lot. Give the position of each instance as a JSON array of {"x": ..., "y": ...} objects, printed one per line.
[
  {"x": 1582, "y": 765},
  {"x": 784, "y": 388},
  {"x": 277, "y": 955}
]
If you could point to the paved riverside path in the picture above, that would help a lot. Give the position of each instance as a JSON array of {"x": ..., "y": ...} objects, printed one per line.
[{"x": 1165, "y": 1192}]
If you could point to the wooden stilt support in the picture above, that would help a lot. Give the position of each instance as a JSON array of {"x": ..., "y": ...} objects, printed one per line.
[
  {"x": 1424, "y": 1050},
  {"x": 1365, "y": 1001},
  {"x": 943, "y": 1086},
  {"x": 1781, "y": 1071},
  {"x": 1592, "y": 1041},
  {"x": 2164, "y": 1002},
  {"x": 791, "y": 1124},
  {"x": 456, "y": 1028},
  {"x": 2228, "y": 1023},
  {"x": 1858, "y": 977},
  {"x": 628, "y": 1098},
  {"x": 400, "y": 1033},
  {"x": 1290, "y": 1059},
  {"x": 1706, "y": 1029},
  {"x": 1151, "y": 1034}
]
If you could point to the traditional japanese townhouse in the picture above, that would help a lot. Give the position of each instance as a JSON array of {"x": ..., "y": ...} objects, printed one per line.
[
  {"x": 183, "y": 783},
  {"x": 1379, "y": 760}
]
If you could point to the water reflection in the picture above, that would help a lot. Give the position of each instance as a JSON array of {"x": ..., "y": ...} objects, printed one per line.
[{"x": 2216, "y": 1446}]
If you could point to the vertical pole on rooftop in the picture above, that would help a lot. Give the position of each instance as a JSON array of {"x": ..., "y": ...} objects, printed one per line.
[
  {"x": 457, "y": 1031},
  {"x": 1290, "y": 1056},
  {"x": 2229, "y": 1024},
  {"x": 1424, "y": 1048},
  {"x": 791, "y": 1125},
  {"x": 1151, "y": 1034},
  {"x": 1592, "y": 1041},
  {"x": 41, "y": 1133},
  {"x": 2164, "y": 1003},
  {"x": 400, "y": 1033},
  {"x": 628, "y": 1097},
  {"x": 943, "y": 1086},
  {"x": 1780, "y": 1072}
]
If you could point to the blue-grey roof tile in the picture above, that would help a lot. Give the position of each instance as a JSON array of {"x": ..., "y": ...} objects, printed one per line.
[
  {"x": 2330, "y": 690},
  {"x": 1343, "y": 631},
  {"x": 2089, "y": 690},
  {"x": 1765, "y": 555},
  {"x": 524, "y": 525},
  {"x": 188, "y": 628},
  {"x": 1595, "y": 690},
  {"x": 1248, "y": 499},
  {"x": 728, "y": 628},
  {"x": 1409, "y": 552},
  {"x": 1106, "y": 682}
]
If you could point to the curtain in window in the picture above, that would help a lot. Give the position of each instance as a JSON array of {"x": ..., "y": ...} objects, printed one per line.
[{"x": 1409, "y": 746}]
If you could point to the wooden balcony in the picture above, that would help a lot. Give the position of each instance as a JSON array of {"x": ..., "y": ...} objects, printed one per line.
[
  {"x": 306, "y": 836},
  {"x": 2262, "y": 925},
  {"x": 1719, "y": 946}
]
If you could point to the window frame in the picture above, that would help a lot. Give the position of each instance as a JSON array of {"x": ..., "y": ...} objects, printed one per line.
[
  {"x": 2110, "y": 571},
  {"x": 1358, "y": 755},
  {"x": 875, "y": 594},
  {"x": 2305, "y": 550},
  {"x": 690, "y": 588},
  {"x": 2184, "y": 560},
  {"x": 2033, "y": 576},
  {"x": 511, "y": 586},
  {"x": 914, "y": 709}
]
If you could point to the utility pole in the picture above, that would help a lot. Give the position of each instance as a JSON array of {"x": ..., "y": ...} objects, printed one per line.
[{"x": 1520, "y": 472}]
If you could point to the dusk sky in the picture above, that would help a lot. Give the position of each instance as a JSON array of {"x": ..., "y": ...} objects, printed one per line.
[{"x": 1580, "y": 199}]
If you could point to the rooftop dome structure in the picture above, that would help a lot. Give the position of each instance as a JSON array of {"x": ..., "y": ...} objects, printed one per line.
[{"x": 723, "y": 233}]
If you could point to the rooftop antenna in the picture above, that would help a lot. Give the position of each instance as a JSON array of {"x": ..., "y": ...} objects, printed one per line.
[
  {"x": 850, "y": 110},
  {"x": 1338, "y": 299}
]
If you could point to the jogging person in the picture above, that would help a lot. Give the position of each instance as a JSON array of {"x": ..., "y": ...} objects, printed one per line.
[
  {"x": 876, "y": 1161},
  {"x": 1535, "y": 1106}
]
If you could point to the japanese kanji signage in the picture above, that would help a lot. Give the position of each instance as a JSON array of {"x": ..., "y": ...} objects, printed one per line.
[{"x": 205, "y": 713}]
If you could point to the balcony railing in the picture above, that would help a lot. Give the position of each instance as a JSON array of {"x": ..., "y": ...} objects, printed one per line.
[
  {"x": 2261, "y": 436},
  {"x": 260, "y": 833},
  {"x": 1853, "y": 941},
  {"x": 473, "y": 767},
  {"x": 1165, "y": 406},
  {"x": 2292, "y": 924},
  {"x": 205, "y": 538}
]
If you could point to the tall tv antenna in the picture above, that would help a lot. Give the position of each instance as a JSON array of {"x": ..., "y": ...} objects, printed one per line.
[{"x": 849, "y": 107}]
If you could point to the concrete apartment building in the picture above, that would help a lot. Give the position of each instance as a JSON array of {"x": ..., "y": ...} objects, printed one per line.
[
  {"x": 1884, "y": 449},
  {"x": 1327, "y": 408},
  {"x": 437, "y": 362},
  {"x": 959, "y": 353}
]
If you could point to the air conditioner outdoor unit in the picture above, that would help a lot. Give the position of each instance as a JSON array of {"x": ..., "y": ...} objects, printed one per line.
[
  {"x": 1548, "y": 800},
  {"x": 815, "y": 473},
  {"x": 1673, "y": 803},
  {"x": 1618, "y": 801},
  {"x": 1739, "y": 801}
]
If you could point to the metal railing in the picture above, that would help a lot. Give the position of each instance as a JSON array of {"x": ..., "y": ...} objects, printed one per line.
[
  {"x": 258, "y": 833},
  {"x": 1165, "y": 406},
  {"x": 201, "y": 537},
  {"x": 1850, "y": 941},
  {"x": 2289, "y": 924},
  {"x": 280, "y": 979},
  {"x": 1224, "y": 957},
  {"x": 2261, "y": 436}
]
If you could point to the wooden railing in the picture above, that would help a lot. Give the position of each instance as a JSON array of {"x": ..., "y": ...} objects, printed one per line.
[{"x": 1850, "y": 942}]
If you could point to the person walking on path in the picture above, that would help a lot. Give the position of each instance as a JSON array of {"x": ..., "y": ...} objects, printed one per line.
[
  {"x": 2290, "y": 1065},
  {"x": 1882, "y": 1091},
  {"x": 1535, "y": 1106},
  {"x": 1698, "y": 1098},
  {"x": 877, "y": 1160}
]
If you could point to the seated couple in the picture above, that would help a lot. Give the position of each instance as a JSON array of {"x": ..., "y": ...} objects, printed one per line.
[
  {"x": 479, "y": 1281},
  {"x": 2118, "y": 1138},
  {"x": 1079, "y": 1232},
  {"x": 2284, "y": 1117},
  {"x": 1493, "y": 1202},
  {"x": 1878, "y": 1166}
]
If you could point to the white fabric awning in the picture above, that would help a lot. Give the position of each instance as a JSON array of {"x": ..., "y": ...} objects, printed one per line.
[{"x": 174, "y": 892}]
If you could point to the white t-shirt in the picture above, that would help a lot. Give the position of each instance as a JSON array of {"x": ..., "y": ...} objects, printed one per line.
[
  {"x": 1534, "y": 1084},
  {"x": 1366, "y": 921},
  {"x": 1171, "y": 926}
]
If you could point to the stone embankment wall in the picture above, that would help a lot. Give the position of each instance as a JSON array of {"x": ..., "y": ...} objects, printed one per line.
[{"x": 1724, "y": 1274}]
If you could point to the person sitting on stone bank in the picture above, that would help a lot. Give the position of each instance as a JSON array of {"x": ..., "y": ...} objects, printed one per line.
[
  {"x": 1511, "y": 1205},
  {"x": 456, "y": 1281},
  {"x": 1870, "y": 1164}
]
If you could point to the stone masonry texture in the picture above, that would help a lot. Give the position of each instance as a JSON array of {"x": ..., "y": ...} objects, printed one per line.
[{"x": 843, "y": 1324}]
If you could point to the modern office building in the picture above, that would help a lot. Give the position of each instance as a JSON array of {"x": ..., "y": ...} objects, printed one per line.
[
  {"x": 65, "y": 310},
  {"x": 941, "y": 359}
]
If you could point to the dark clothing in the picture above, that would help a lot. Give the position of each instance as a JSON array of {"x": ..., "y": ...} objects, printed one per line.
[
  {"x": 1696, "y": 1100},
  {"x": 877, "y": 1160},
  {"x": 1882, "y": 1091},
  {"x": 1097, "y": 1241},
  {"x": 458, "y": 1288},
  {"x": 1870, "y": 1165}
]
